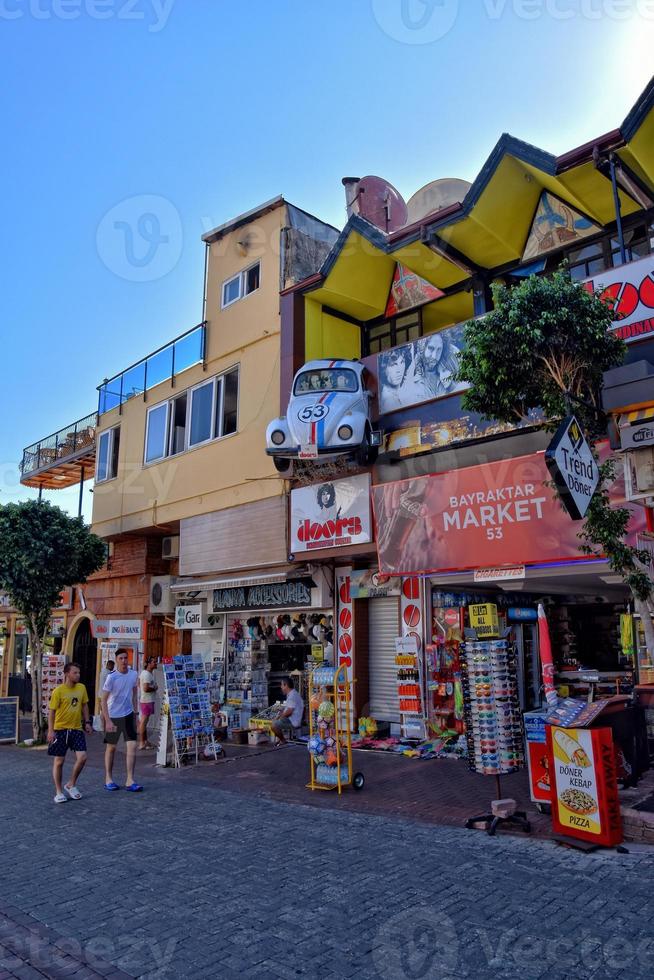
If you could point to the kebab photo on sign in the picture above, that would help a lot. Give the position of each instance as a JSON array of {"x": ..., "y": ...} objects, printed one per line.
[{"x": 544, "y": 347}]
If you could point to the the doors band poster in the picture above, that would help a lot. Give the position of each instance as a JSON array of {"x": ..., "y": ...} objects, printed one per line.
[{"x": 420, "y": 371}]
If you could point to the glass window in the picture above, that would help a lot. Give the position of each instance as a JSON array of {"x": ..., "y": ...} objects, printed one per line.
[
  {"x": 232, "y": 290},
  {"x": 188, "y": 350},
  {"x": 228, "y": 405},
  {"x": 156, "y": 433},
  {"x": 107, "y": 459},
  {"x": 201, "y": 413},
  {"x": 252, "y": 279},
  {"x": 102, "y": 468},
  {"x": 178, "y": 425},
  {"x": 115, "y": 447},
  {"x": 338, "y": 379}
]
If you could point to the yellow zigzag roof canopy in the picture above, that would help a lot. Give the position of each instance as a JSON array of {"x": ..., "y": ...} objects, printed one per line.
[{"x": 524, "y": 203}]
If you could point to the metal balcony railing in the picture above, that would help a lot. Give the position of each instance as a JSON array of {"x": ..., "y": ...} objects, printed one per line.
[
  {"x": 60, "y": 446},
  {"x": 178, "y": 355}
]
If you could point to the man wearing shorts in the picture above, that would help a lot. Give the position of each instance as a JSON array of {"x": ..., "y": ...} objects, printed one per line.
[
  {"x": 147, "y": 688},
  {"x": 119, "y": 715},
  {"x": 68, "y": 702}
]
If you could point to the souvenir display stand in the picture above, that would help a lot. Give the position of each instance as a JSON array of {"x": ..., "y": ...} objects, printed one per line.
[
  {"x": 330, "y": 743},
  {"x": 189, "y": 710},
  {"x": 52, "y": 676},
  {"x": 493, "y": 722}
]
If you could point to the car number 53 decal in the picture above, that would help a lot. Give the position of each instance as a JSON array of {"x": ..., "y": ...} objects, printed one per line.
[{"x": 313, "y": 413}]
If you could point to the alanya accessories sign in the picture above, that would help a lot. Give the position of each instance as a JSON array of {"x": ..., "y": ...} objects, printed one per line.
[
  {"x": 573, "y": 468},
  {"x": 331, "y": 515},
  {"x": 290, "y": 594}
]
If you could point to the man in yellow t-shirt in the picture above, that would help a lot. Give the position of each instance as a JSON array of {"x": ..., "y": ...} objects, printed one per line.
[{"x": 69, "y": 701}]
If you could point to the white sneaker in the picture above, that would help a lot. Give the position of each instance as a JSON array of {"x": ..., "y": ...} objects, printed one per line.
[
  {"x": 73, "y": 792},
  {"x": 61, "y": 798}
]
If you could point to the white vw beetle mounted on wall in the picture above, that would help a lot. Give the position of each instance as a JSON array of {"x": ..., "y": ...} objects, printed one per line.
[{"x": 328, "y": 415}]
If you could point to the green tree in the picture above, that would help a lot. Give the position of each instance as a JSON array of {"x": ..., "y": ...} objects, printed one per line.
[
  {"x": 42, "y": 551},
  {"x": 541, "y": 353}
]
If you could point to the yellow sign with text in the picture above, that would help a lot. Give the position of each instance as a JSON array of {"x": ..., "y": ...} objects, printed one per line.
[
  {"x": 483, "y": 619},
  {"x": 575, "y": 781}
]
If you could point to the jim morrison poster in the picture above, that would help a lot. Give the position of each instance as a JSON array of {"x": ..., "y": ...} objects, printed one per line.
[{"x": 420, "y": 371}]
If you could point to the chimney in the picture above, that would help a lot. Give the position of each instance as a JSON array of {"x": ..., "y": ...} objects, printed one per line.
[{"x": 351, "y": 203}]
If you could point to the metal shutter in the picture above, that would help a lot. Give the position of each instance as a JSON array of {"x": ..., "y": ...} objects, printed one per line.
[{"x": 383, "y": 626}]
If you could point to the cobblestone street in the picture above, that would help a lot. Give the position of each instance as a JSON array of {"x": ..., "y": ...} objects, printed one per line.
[{"x": 190, "y": 880}]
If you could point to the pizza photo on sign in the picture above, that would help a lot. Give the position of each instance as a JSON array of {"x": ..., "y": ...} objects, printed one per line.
[{"x": 578, "y": 801}]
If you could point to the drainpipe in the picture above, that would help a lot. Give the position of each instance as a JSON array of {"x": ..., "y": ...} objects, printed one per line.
[
  {"x": 204, "y": 284},
  {"x": 618, "y": 212}
]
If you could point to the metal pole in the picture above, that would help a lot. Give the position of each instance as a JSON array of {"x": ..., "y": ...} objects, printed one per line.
[
  {"x": 81, "y": 490},
  {"x": 618, "y": 212},
  {"x": 40, "y": 491}
]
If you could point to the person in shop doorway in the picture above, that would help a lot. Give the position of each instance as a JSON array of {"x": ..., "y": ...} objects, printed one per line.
[
  {"x": 69, "y": 702},
  {"x": 147, "y": 690},
  {"x": 104, "y": 673},
  {"x": 119, "y": 715},
  {"x": 290, "y": 717}
]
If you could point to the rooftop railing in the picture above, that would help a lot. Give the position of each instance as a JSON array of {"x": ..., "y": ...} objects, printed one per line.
[
  {"x": 60, "y": 446},
  {"x": 178, "y": 355}
]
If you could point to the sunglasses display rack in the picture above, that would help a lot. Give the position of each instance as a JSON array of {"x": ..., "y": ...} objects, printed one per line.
[
  {"x": 189, "y": 708},
  {"x": 492, "y": 717}
]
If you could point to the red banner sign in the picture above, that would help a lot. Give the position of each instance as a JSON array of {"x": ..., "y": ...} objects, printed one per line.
[{"x": 495, "y": 514}]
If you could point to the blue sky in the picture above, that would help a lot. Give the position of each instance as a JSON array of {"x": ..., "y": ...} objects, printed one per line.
[{"x": 196, "y": 110}]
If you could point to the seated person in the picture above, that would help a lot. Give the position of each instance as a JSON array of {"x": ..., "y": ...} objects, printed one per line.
[
  {"x": 290, "y": 716},
  {"x": 219, "y": 726}
]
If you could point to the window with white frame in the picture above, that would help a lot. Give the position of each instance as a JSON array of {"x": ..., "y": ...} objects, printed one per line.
[
  {"x": 241, "y": 285},
  {"x": 156, "y": 434},
  {"x": 107, "y": 461},
  {"x": 197, "y": 416}
]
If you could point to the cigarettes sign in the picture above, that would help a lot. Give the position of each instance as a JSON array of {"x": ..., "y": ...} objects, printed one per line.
[{"x": 483, "y": 516}]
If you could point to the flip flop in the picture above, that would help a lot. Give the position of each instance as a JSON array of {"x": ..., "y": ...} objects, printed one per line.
[
  {"x": 134, "y": 788},
  {"x": 111, "y": 787},
  {"x": 73, "y": 792},
  {"x": 60, "y": 798}
]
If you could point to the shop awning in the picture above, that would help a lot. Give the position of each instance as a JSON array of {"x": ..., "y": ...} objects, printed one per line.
[{"x": 197, "y": 585}]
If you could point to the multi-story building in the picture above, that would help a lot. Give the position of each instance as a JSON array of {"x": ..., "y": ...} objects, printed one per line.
[
  {"x": 394, "y": 292},
  {"x": 183, "y": 491}
]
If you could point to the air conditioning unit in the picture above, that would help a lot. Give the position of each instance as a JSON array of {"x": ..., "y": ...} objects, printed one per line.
[
  {"x": 639, "y": 473},
  {"x": 162, "y": 600},
  {"x": 170, "y": 547}
]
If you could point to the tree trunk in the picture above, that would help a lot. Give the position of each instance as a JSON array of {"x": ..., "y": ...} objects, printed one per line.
[
  {"x": 645, "y": 612},
  {"x": 36, "y": 645}
]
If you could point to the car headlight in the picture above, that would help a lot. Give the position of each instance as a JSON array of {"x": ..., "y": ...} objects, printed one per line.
[
  {"x": 345, "y": 432},
  {"x": 277, "y": 437}
]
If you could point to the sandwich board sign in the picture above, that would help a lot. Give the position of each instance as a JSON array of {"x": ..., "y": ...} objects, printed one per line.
[{"x": 572, "y": 465}]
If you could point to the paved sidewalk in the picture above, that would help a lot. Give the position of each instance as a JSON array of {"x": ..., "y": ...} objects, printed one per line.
[
  {"x": 436, "y": 791},
  {"x": 187, "y": 880}
]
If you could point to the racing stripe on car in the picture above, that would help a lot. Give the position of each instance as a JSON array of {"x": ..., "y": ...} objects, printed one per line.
[
  {"x": 321, "y": 423},
  {"x": 314, "y": 423}
]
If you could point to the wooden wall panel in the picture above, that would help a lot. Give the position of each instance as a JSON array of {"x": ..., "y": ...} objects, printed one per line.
[{"x": 250, "y": 536}]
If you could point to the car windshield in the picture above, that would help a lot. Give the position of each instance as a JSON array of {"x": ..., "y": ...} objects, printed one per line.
[{"x": 326, "y": 379}]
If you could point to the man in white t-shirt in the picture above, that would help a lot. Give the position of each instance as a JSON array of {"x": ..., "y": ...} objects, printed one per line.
[
  {"x": 119, "y": 713},
  {"x": 147, "y": 689},
  {"x": 290, "y": 717}
]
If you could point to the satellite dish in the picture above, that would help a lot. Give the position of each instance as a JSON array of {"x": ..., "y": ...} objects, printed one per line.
[
  {"x": 380, "y": 203},
  {"x": 435, "y": 196}
]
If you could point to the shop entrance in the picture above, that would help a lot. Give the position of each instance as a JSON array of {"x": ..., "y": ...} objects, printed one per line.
[
  {"x": 383, "y": 627},
  {"x": 525, "y": 636},
  {"x": 85, "y": 653}
]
